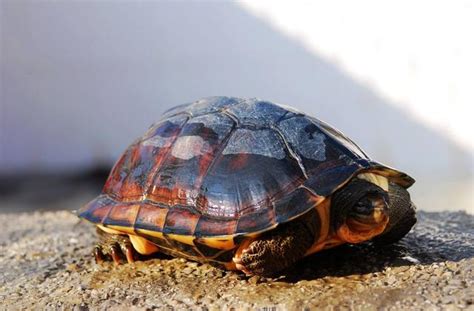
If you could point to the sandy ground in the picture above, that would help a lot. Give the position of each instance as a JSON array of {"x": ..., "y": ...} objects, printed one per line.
[{"x": 46, "y": 262}]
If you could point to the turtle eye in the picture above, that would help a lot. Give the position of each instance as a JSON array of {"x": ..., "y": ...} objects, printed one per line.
[
  {"x": 369, "y": 206},
  {"x": 363, "y": 207}
]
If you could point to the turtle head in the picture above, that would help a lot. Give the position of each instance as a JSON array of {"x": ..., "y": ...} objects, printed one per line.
[{"x": 359, "y": 211}]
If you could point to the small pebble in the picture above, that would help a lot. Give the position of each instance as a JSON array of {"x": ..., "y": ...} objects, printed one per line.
[{"x": 254, "y": 279}]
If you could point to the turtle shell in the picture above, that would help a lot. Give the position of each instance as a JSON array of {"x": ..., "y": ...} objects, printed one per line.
[{"x": 222, "y": 168}]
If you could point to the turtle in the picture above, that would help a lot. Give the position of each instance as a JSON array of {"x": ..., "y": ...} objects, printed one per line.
[{"x": 245, "y": 184}]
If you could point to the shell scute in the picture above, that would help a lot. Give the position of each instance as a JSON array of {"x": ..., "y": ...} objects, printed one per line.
[
  {"x": 181, "y": 221},
  {"x": 263, "y": 142},
  {"x": 234, "y": 192},
  {"x": 122, "y": 215},
  {"x": 294, "y": 204},
  {"x": 334, "y": 174},
  {"x": 211, "y": 226},
  {"x": 131, "y": 175},
  {"x": 96, "y": 210},
  {"x": 151, "y": 217},
  {"x": 305, "y": 139},
  {"x": 179, "y": 177},
  {"x": 259, "y": 220}
]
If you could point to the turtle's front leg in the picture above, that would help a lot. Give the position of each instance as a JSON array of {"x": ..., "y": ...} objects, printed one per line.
[
  {"x": 280, "y": 248},
  {"x": 114, "y": 246}
]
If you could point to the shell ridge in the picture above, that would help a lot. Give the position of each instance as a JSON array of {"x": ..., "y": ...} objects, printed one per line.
[
  {"x": 189, "y": 114},
  {"x": 232, "y": 116},
  {"x": 286, "y": 117},
  {"x": 302, "y": 186},
  {"x": 341, "y": 147},
  {"x": 291, "y": 152}
]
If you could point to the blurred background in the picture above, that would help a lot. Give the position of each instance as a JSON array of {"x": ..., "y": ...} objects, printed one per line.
[{"x": 80, "y": 80}]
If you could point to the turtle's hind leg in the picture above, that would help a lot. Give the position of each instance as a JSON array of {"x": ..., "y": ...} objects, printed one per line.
[
  {"x": 279, "y": 248},
  {"x": 114, "y": 246}
]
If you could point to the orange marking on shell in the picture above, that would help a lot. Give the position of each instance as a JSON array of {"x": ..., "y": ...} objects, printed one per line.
[
  {"x": 101, "y": 212},
  {"x": 152, "y": 215},
  {"x": 136, "y": 153},
  {"x": 152, "y": 182},
  {"x": 114, "y": 181},
  {"x": 131, "y": 191},
  {"x": 122, "y": 186},
  {"x": 182, "y": 220},
  {"x": 126, "y": 213},
  {"x": 204, "y": 161},
  {"x": 164, "y": 195}
]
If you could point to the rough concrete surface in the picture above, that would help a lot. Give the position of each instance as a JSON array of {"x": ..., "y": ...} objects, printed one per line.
[{"x": 46, "y": 263}]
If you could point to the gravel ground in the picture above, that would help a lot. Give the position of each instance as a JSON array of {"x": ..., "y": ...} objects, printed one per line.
[{"x": 46, "y": 262}]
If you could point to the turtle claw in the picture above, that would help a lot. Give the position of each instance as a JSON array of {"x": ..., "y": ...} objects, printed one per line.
[
  {"x": 129, "y": 252},
  {"x": 98, "y": 255},
  {"x": 114, "y": 252},
  {"x": 114, "y": 247},
  {"x": 240, "y": 266}
]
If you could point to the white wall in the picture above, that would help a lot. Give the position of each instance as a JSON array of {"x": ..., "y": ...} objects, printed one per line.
[
  {"x": 418, "y": 54},
  {"x": 81, "y": 80}
]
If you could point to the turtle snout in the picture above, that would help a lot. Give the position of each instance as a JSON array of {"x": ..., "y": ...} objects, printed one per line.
[{"x": 370, "y": 209}]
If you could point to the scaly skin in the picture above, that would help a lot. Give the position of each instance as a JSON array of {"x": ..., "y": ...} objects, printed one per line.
[
  {"x": 402, "y": 216},
  {"x": 279, "y": 248}
]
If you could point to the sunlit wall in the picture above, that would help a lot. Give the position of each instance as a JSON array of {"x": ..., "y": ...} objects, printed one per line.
[{"x": 80, "y": 80}]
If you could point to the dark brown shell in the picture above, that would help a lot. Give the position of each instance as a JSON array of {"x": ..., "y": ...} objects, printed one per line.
[{"x": 227, "y": 167}]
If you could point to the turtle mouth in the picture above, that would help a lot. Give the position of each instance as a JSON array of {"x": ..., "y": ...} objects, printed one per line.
[
  {"x": 359, "y": 222},
  {"x": 354, "y": 231}
]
